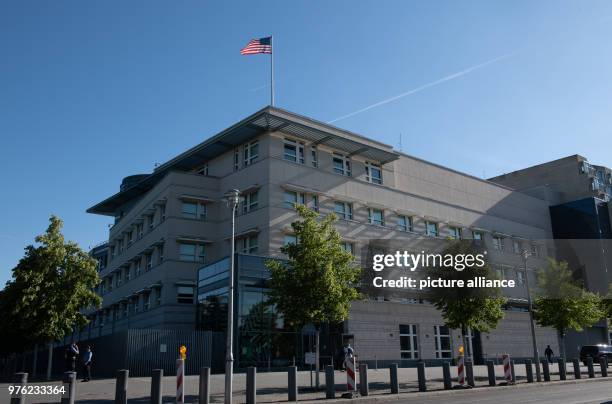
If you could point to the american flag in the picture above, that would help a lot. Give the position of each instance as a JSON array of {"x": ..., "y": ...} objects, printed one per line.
[{"x": 261, "y": 45}]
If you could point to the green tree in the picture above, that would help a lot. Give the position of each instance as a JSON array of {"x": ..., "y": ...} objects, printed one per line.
[
  {"x": 50, "y": 285},
  {"x": 478, "y": 309},
  {"x": 562, "y": 303},
  {"x": 317, "y": 283}
]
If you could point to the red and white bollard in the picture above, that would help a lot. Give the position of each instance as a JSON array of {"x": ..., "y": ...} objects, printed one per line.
[
  {"x": 350, "y": 374},
  {"x": 180, "y": 386},
  {"x": 461, "y": 371},
  {"x": 507, "y": 369}
]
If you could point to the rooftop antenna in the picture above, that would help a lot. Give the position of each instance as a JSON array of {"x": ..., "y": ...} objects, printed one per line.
[{"x": 400, "y": 143}]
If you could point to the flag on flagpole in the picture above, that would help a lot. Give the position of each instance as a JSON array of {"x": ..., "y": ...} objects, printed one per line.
[{"x": 255, "y": 46}]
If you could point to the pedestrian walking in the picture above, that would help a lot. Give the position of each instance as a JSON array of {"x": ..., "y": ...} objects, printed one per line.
[
  {"x": 87, "y": 357},
  {"x": 549, "y": 353}
]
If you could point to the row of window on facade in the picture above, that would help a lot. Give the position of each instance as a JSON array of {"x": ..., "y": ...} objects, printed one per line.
[
  {"x": 140, "y": 264},
  {"x": 137, "y": 231},
  {"x": 295, "y": 151},
  {"x": 139, "y": 303}
]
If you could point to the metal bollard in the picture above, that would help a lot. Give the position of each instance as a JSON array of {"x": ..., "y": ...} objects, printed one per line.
[
  {"x": 156, "y": 386},
  {"x": 70, "y": 388},
  {"x": 292, "y": 383},
  {"x": 529, "y": 370},
  {"x": 204, "y": 386},
  {"x": 562, "y": 370},
  {"x": 491, "y": 373},
  {"x": 393, "y": 378},
  {"x": 469, "y": 373},
  {"x": 512, "y": 372},
  {"x": 447, "y": 376},
  {"x": 590, "y": 367},
  {"x": 121, "y": 386},
  {"x": 576, "y": 363},
  {"x": 546, "y": 370},
  {"x": 421, "y": 375},
  {"x": 251, "y": 386},
  {"x": 330, "y": 384},
  {"x": 20, "y": 379},
  {"x": 603, "y": 363},
  {"x": 364, "y": 387}
]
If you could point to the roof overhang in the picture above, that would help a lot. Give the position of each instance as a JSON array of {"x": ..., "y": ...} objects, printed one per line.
[{"x": 268, "y": 119}]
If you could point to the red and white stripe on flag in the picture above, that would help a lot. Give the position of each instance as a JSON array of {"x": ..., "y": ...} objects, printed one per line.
[{"x": 255, "y": 46}]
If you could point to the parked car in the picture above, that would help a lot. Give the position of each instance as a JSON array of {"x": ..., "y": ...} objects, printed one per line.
[{"x": 596, "y": 352}]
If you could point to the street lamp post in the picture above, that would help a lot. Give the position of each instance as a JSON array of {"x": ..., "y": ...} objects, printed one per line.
[
  {"x": 232, "y": 198},
  {"x": 536, "y": 355}
]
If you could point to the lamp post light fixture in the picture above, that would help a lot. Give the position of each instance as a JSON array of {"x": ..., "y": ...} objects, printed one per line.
[
  {"x": 536, "y": 356},
  {"x": 232, "y": 198}
]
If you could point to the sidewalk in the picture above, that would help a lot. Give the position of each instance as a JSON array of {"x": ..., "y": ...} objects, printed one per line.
[{"x": 272, "y": 387}]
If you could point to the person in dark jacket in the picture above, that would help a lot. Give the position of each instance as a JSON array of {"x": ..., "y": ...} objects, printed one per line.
[
  {"x": 87, "y": 357},
  {"x": 549, "y": 353}
]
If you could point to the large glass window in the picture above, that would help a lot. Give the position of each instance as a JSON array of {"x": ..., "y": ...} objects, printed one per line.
[
  {"x": 516, "y": 246},
  {"x": 251, "y": 152},
  {"x": 294, "y": 151},
  {"x": 191, "y": 252},
  {"x": 454, "y": 232},
  {"x": 250, "y": 244},
  {"x": 251, "y": 202},
  {"x": 294, "y": 198},
  {"x": 431, "y": 229},
  {"x": 477, "y": 236},
  {"x": 408, "y": 341},
  {"x": 442, "y": 341},
  {"x": 290, "y": 239},
  {"x": 498, "y": 243},
  {"x": 404, "y": 223},
  {"x": 193, "y": 210},
  {"x": 341, "y": 164},
  {"x": 373, "y": 173},
  {"x": 314, "y": 161},
  {"x": 376, "y": 216},
  {"x": 348, "y": 247},
  {"x": 184, "y": 294},
  {"x": 344, "y": 210}
]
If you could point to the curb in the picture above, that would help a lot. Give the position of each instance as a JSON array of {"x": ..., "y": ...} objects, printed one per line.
[{"x": 388, "y": 397}]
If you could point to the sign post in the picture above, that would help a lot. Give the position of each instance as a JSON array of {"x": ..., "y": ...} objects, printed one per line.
[{"x": 180, "y": 375}]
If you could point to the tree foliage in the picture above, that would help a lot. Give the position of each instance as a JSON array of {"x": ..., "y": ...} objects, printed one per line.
[
  {"x": 317, "y": 283},
  {"x": 49, "y": 286},
  {"x": 479, "y": 309},
  {"x": 562, "y": 303}
]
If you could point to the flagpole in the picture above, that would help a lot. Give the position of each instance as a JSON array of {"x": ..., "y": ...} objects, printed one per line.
[{"x": 271, "y": 72}]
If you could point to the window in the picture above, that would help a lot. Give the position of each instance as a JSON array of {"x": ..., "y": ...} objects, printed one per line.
[
  {"x": 500, "y": 271},
  {"x": 140, "y": 230},
  {"x": 431, "y": 229},
  {"x": 191, "y": 252},
  {"x": 136, "y": 304},
  {"x": 130, "y": 237},
  {"x": 344, "y": 210},
  {"x": 250, "y": 202},
  {"x": 151, "y": 221},
  {"x": 160, "y": 250},
  {"x": 112, "y": 250},
  {"x": 520, "y": 276},
  {"x": 250, "y": 244},
  {"x": 158, "y": 297},
  {"x": 251, "y": 152},
  {"x": 535, "y": 251},
  {"x": 138, "y": 266},
  {"x": 119, "y": 278},
  {"x": 408, "y": 342},
  {"x": 294, "y": 198},
  {"x": 516, "y": 246},
  {"x": 314, "y": 202},
  {"x": 404, "y": 223},
  {"x": 148, "y": 261},
  {"x": 376, "y": 216},
  {"x": 443, "y": 341},
  {"x": 454, "y": 232},
  {"x": 342, "y": 164},
  {"x": 477, "y": 236},
  {"x": 348, "y": 247},
  {"x": 373, "y": 173},
  {"x": 498, "y": 243},
  {"x": 203, "y": 170},
  {"x": 313, "y": 157},
  {"x": 162, "y": 213},
  {"x": 236, "y": 160},
  {"x": 184, "y": 294},
  {"x": 128, "y": 274},
  {"x": 193, "y": 210},
  {"x": 147, "y": 302},
  {"x": 294, "y": 151},
  {"x": 290, "y": 239}
]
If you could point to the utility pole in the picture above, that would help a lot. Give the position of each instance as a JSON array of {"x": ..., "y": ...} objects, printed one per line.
[{"x": 536, "y": 355}]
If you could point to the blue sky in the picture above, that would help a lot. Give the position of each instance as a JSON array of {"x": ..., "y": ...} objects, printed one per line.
[{"x": 91, "y": 92}]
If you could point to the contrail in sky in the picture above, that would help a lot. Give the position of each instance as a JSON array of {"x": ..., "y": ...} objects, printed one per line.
[{"x": 425, "y": 86}]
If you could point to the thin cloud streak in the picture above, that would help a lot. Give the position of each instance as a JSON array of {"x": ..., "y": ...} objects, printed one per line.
[{"x": 426, "y": 86}]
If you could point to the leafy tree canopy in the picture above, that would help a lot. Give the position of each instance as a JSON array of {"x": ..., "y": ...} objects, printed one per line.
[
  {"x": 317, "y": 283},
  {"x": 477, "y": 308},
  {"x": 49, "y": 286}
]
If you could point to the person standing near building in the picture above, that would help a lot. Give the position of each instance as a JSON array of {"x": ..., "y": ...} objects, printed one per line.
[
  {"x": 549, "y": 353},
  {"x": 73, "y": 354},
  {"x": 87, "y": 357}
]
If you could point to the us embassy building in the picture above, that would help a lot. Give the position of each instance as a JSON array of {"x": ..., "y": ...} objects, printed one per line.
[{"x": 166, "y": 263}]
